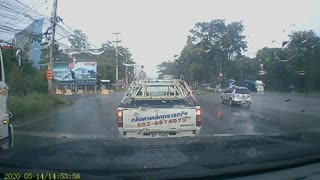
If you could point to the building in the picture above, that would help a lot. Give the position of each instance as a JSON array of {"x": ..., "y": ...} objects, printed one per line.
[{"x": 29, "y": 39}]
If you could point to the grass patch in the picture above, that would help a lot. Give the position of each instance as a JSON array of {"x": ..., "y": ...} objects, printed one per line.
[{"x": 22, "y": 106}]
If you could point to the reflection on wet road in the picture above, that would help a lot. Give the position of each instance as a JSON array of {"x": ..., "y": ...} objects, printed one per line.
[
  {"x": 87, "y": 132},
  {"x": 94, "y": 117},
  {"x": 270, "y": 113},
  {"x": 222, "y": 119}
]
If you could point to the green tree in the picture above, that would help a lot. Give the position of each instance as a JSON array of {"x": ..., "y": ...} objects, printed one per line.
[
  {"x": 167, "y": 68},
  {"x": 305, "y": 64},
  {"x": 210, "y": 44},
  {"x": 58, "y": 55},
  {"x": 79, "y": 40},
  {"x": 25, "y": 79},
  {"x": 296, "y": 63}
]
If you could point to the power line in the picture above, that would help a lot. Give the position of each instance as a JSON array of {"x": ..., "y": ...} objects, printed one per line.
[
  {"x": 16, "y": 14},
  {"x": 63, "y": 37},
  {"x": 68, "y": 27},
  {"x": 27, "y": 15},
  {"x": 31, "y": 12},
  {"x": 19, "y": 12},
  {"x": 64, "y": 30}
]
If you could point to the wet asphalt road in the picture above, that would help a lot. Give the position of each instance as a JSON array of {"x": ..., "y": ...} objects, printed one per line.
[
  {"x": 93, "y": 116},
  {"x": 270, "y": 113},
  {"x": 83, "y": 137}
]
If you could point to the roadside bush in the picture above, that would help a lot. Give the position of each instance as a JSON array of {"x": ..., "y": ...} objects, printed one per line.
[{"x": 33, "y": 103}]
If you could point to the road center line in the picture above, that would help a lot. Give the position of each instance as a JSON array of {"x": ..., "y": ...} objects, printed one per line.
[
  {"x": 244, "y": 134},
  {"x": 58, "y": 135},
  {"x": 100, "y": 136}
]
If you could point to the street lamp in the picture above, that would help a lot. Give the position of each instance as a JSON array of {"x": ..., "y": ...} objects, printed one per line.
[
  {"x": 261, "y": 72},
  {"x": 117, "y": 60},
  {"x": 127, "y": 81},
  {"x": 18, "y": 52},
  {"x": 132, "y": 65}
]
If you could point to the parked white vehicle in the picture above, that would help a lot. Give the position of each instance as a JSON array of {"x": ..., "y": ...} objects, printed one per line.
[
  {"x": 259, "y": 86},
  {"x": 159, "y": 108},
  {"x": 236, "y": 95},
  {"x": 6, "y": 129}
]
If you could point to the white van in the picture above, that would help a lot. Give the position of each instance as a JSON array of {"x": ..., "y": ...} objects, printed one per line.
[{"x": 6, "y": 129}]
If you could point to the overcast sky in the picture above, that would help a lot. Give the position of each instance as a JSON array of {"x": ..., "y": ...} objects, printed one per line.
[{"x": 156, "y": 30}]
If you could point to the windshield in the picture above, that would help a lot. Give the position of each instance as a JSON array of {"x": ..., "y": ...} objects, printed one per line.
[
  {"x": 161, "y": 89},
  {"x": 242, "y": 91}
]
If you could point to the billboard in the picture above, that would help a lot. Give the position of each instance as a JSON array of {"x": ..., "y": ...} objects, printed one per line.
[{"x": 81, "y": 72}]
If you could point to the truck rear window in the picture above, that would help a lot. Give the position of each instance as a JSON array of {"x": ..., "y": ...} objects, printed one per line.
[{"x": 156, "y": 90}]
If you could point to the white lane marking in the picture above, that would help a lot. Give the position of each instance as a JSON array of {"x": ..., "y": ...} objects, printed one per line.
[
  {"x": 29, "y": 122},
  {"x": 243, "y": 134},
  {"x": 59, "y": 135}
]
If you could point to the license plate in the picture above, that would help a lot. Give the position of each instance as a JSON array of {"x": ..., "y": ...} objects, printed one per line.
[
  {"x": 155, "y": 135},
  {"x": 243, "y": 101}
]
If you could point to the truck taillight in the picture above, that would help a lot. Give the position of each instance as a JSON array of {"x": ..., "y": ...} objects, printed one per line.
[
  {"x": 198, "y": 123},
  {"x": 198, "y": 117},
  {"x": 120, "y": 118},
  {"x": 198, "y": 112},
  {"x": 120, "y": 114}
]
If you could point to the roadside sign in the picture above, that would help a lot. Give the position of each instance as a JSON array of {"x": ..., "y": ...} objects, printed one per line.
[
  {"x": 262, "y": 73},
  {"x": 82, "y": 72},
  {"x": 49, "y": 74},
  {"x": 71, "y": 66}
]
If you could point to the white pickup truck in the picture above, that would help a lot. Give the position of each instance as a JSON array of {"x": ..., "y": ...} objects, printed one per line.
[{"x": 159, "y": 108}]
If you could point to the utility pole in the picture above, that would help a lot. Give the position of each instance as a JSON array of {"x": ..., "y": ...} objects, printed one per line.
[
  {"x": 220, "y": 66},
  {"x": 241, "y": 69},
  {"x": 127, "y": 82},
  {"x": 117, "y": 60},
  {"x": 53, "y": 27}
]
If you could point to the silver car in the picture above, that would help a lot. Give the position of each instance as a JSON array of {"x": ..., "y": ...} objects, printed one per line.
[{"x": 236, "y": 95}]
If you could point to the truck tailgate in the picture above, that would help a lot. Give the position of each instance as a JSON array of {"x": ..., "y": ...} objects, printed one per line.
[{"x": 159, "y": 119}]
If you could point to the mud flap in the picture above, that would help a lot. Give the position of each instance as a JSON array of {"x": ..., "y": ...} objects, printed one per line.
[{"x": 11, "y": 136}]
